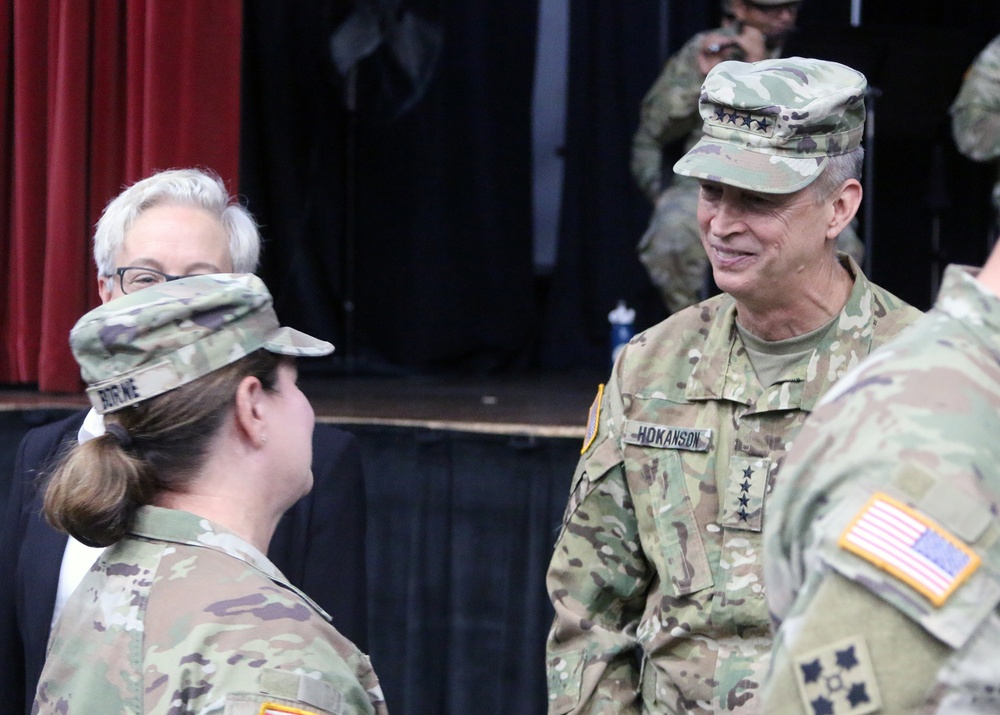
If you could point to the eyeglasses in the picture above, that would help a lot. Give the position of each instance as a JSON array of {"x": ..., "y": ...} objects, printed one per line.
[
  {"x": 774, "y": 9},
  {"x": 133, "y": 278}
]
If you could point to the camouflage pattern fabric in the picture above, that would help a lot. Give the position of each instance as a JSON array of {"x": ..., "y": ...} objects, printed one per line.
[
  {"x": 770, "y": 126},
  {"x": 157, "y": 339},
  {"x": 656, "y": 577},
  {"x": 975, "y": 113},
  {"x": 184, "y": 616},
  {"x": 918, "y": 424}
]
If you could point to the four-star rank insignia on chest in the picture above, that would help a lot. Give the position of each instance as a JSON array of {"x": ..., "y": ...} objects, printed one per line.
[{"x": 743, "y": 501}]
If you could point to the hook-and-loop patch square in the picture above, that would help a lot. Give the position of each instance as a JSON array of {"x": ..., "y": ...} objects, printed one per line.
[{"x": 838, "y": 679}]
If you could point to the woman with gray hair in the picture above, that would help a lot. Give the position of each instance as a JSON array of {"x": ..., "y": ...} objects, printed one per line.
[{"x": 200, "y": 189}]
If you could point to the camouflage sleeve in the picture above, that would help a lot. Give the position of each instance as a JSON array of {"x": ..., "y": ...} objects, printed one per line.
[
  {"x": 669, "y": 112},
  {"x": 975, "y": 113},
  {"x": 881, "y": 548},
  {"x": 880, "y": 656},
  {"x": 597, "y": 580},
  {"x": 856, "y": 634}
]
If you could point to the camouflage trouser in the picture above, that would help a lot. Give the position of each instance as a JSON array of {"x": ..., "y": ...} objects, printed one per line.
[
  {"x": 671, "y": 248},
  {"x": 673, "y": 255}
]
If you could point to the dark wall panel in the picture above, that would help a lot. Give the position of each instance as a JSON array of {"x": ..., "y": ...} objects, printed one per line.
[{"x": 407, "y": 239}]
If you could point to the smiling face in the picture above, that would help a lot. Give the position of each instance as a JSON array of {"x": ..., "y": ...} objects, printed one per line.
[
  {"x": 176, "y": 239},
  {"x": 764, "y": 248}
]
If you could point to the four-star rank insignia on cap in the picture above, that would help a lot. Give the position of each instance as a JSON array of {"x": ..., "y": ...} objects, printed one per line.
[
  {"x": 838, "y": 679},
  {"x": 911, "y": 547},
  {"x": 593, "y": 420},
  {"x": 733, "y": 118}
]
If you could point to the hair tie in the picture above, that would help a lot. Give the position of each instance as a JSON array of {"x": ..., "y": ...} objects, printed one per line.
[{"x": 119, "y": 433}]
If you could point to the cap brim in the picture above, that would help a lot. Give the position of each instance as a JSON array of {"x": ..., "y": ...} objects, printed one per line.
[
  {"x": 289, "y": 341},
  {"x": 747, "y": 169}
]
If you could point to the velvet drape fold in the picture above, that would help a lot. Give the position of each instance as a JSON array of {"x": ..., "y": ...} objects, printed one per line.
[{"x": 96, "y": 94}]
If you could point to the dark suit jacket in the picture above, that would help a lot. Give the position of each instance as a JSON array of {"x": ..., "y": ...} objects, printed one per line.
[{"x": 319, "y": 545}]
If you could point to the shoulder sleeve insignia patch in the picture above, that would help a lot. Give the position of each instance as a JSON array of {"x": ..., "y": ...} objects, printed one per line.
[
  {"x": 276, "y": 709},
  {"x": 593, "y": 420},
  {"x": 911, "y": 547},
  {"x": 838, "y": 679}
]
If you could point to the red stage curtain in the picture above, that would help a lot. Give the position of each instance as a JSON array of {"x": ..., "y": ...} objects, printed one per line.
[{"x": 96, "y": 94}]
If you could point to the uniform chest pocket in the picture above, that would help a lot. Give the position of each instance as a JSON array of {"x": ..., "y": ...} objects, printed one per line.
[
  {"x": 740, "y": 601},
  {"x": 679, "y": 538}
]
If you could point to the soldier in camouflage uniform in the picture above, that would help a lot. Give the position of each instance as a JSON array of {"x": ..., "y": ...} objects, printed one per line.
[
  {"x": 184, "y": 613},
  {"x": 656, "y": 578},
  {"x": 671, "y": 248},
  {"x": 975, "y": 113},
  {"x": 881, "y": 549}
]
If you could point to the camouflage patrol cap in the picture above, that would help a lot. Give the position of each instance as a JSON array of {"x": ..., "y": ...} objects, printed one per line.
[
  {"x": 157, "y": 339},
  {"x": 770, "y": 126}
]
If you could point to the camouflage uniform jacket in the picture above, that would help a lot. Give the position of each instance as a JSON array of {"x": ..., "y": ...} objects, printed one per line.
[
  {"x": 975, "y": 113},
  {"x": 184, "y": 616},
  {"x": 656, "y": 577},
  {"x": 669, "y": 112},
  {"x": 913, "y": 434}
]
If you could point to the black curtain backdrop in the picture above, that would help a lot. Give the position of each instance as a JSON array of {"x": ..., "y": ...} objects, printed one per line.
[
  {"x": 292, "y": 158},
  {"x": 441, "y": 195},
  {"x": 614, "y": 50},
  {"x": 461, "y": 529},
  {"x": 442, "y": 274}
]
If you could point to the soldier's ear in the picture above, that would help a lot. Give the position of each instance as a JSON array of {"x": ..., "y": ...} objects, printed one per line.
[
  {"x": 250, "y": 412},
  {"x": 844, "y": 204}
]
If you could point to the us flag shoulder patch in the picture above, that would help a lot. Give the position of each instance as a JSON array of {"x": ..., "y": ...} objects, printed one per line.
[
  {"x": 913, "y": 548},
  {"x": 593, "y": 420}
]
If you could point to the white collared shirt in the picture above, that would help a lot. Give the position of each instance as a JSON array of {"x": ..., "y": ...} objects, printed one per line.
[{"x": 78, "y": 557}]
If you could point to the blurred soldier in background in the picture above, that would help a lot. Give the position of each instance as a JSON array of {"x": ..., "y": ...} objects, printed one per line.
[{"x": 975, "y": 114}]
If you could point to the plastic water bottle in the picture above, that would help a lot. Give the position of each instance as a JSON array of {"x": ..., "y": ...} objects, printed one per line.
[{"x": 622, "y": 320}]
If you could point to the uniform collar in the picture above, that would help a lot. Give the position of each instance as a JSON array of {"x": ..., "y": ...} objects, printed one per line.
[
  {"x": 724, "y": 371},
  {"x": 182, "y": 527},
  {"x": 964, "y": 298}
]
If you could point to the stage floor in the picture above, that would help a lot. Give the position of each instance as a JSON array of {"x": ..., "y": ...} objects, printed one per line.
[{"x": 543, "y": 405}]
